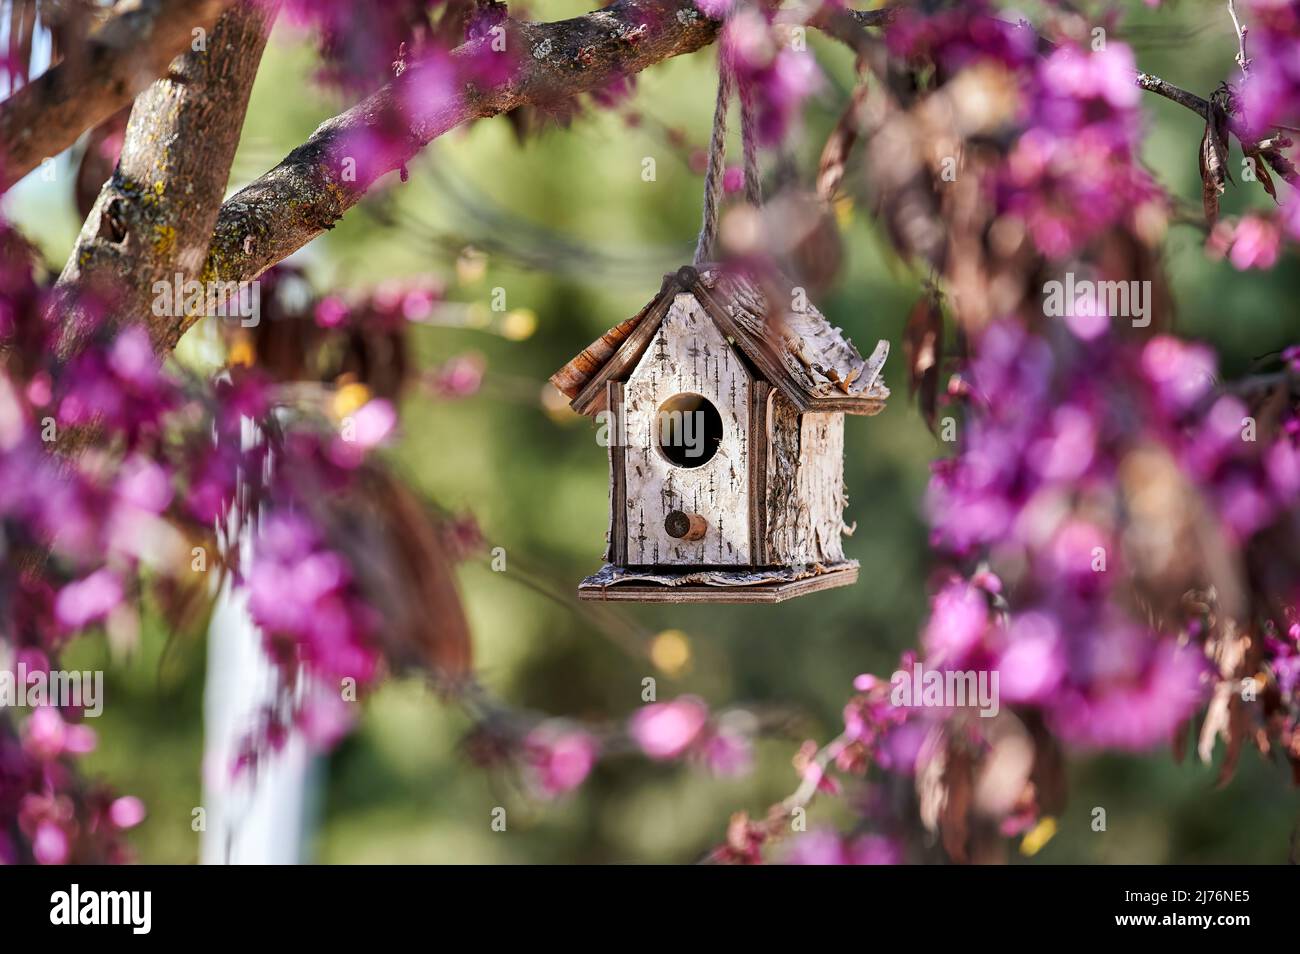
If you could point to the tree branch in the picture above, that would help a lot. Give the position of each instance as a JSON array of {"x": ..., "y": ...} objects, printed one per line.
[
  {"x": 849, "y": 26},
  {"x": 1154, "y": 84},
  {"x": 154, "y": 218},
  {"x": 1242, "y": 60},
  {"x": 123, "y": 57},
  {"x": 308, "y": 191}
]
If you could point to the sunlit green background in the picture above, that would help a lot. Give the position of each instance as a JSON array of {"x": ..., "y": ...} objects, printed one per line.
[{"x": 575, "y": 235}]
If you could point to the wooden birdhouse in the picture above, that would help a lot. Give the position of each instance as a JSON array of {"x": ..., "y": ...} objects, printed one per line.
[{"x": 724, "y": 402}]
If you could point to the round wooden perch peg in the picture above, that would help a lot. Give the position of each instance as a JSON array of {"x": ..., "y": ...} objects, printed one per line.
[{"x": 685, "y": 526}]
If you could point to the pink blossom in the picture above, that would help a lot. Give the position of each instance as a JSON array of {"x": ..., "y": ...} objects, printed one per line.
[
  {"x": 900, "y": 746},
  {"x": 368, "y": 427},
  {"x": 865, "y": 682},
  {"x": 958, "y": 620},
  {"x": 50, "y": 844},
  {"x": 1075, "y": 551},
  {"x": 1181, "y": 372},
  {"x": 487, "y": 62},
  {"x": 331, "y": 312},
  {"x": 776, "y": 77},
  {"x": 1067, "y": 451},
  {"x": 132, "y": 357},
  {"x": 1244, "y": 506},
  {"x": 44, "y": 734},
  {"x": 460, "y": 376},
  {"x": 714, "y": 9},
  {"x": 88, "y": 600},
  {"x": 417, "y": 304},
  {"x": 875, "y": 850},
  {"x": 733, "y": 179},
  {"x": 824, "y": 847},
  {"x": 1290, "y": 215},
  {"x": 1137, "y": 705},
  {"x": 1105, "y": 74},
  {"x": 818, "y": 847},
  {"x": 728, "y": 753},
  {"x": 665, "y": 730},
  {"x": 959, "y": 36},
  {"x": 1282, "y": 463},
  {"x": 301, "y": 594},
  {"x": 126, "y": 812},
  {"x": 79, "y": 740},
  {"x": 1256, "y": 243},
  {"x": 374, "y": 421},
  {"x": 144, "y": 485},
  {"x": 560, "y": 758},
  {"x": 1033, "y": 663},
  {"x": 325, "y": 719},
  {"x": 1270, "y": 93},
  {"x": 47, "y": 736},
  {"x": 429, "y": 92},
  {"x": 1073, "y": 173}
]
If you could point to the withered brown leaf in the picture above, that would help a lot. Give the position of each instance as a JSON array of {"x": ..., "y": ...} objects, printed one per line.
[
  {"x": 1214, "y": 157},
  {"x": 945, "y": 789},
  {"x": 830, "y": 171},
  {"x": 923, "y": 351},
  {"x": 954, "y": 820},
  {"x": 1261, "y": 172},
  {"x": 1048, "y": 776},
  {"x": 411, "y": 579},
  {"x": 1283, "y": 166}
]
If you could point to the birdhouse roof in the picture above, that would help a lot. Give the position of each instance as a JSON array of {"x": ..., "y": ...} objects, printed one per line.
[{"x": 798, "y": 352}]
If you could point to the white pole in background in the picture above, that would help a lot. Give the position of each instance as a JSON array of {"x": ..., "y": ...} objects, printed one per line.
[{"x": 262, "y": 816}]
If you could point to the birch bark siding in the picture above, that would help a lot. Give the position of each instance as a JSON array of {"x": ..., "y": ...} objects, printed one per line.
[
  {"x": 805, "y": 484},
  {"x": 687, "y": 355}
]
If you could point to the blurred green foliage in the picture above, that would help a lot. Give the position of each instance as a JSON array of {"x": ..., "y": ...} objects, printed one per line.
[{"x": 575, "y": 235}]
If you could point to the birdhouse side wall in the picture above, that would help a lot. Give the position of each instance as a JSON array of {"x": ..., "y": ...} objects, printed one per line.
[
  {"x": 805, "y": 485},
  {"x": 688, "y": 355}
]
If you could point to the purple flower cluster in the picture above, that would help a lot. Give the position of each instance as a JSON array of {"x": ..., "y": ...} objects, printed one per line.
[
  {"x": 824, "y": 847},
  {"x": 1063, "y": 453},
  {"x": 960, "y": 36},
  {"x": 1251, "y": 479},
  {"x": 302, "y": 596},
  {"x": 359, "y": 50},
  {"x": 1252, "y": 241},
  {"x": 1270, "y": 95},
  {"x": 555, "y": 756},
  {"x": 683, "y": 728},
  {"x": 1074, "y": 171},
  {"x": 559, "y": 757},
  {"x": 774, "y": 76},
  {"x": 121, "y": 386},
  {"x": 171, "y": 463},
  {"x": 56, "y": 818}
]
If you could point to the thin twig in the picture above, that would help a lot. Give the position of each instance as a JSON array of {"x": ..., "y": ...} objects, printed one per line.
[
  {"x": 1242, "y": 61},
  {"x": 803, "y": 795},
  {"x": 1154, "y": 84}
]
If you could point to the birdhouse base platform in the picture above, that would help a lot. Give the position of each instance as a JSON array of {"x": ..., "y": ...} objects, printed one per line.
[{"x": 617, "y": 584}]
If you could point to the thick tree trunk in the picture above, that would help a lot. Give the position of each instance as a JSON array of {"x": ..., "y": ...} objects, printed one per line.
[
  {"x": 153, "y": 218},
  {"x": 127, "y": 54}
]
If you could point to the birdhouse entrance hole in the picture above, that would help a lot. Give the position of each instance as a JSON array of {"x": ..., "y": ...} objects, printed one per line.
[{"x": 689, "y": 430}]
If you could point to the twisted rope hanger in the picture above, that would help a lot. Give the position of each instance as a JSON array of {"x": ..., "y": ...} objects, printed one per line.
[{"x": 713, "y": 188}]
